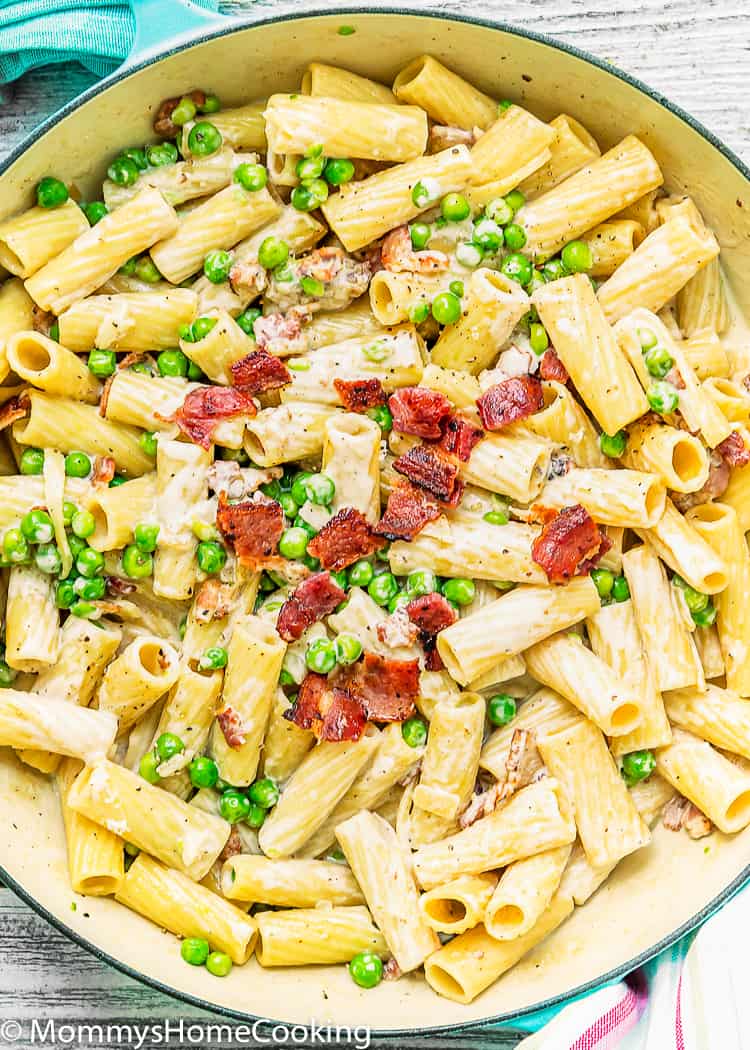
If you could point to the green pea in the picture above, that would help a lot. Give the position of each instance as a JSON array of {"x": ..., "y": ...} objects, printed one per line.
[
  {"x": 293, "y": 542},
  {"x": 203, "y": 772},
  {"x": 613, "y": 445},
  {"x": 147, "y": 767},
  {"x": 537, "y": 280},
  {"x": 300, "y": 523},
  {"x": 321, "y": 656},
  {"x": 320, "y": 489},
  {"x": 346, "y": 30},
  {"x": 201, "y": 326},
  {"x": 194, "y": 950},
  {"x": 172, "y": 363},
  {"x": 234, "y": 806},
  {"x": 51, "y": 192},
  {"x": 142, "y": 367},
  {"x": 37, "y": 526},
  {"x": 620, "y": 590},
  {"x": 366, "y": 969},
  {"x": 414, "y": 731},
  {"x": 128, "y": 267},
  {"x": 603, "y": 581},
  {"x": 469, "y": 254},
  {"x": 496, "y": 517},
  {"x": 662, "y": 397},
  {"x": 123, "y": 171},
  {"x": 348, "y": 649},
  {"x": 705, "y": 617},
  {"x": 457, "y": 287},
  {"x": 647, "y": 338},
  {"x": 90, "y": 590},
  {"x": 247, "y": 320},
  {"x": 421, "y": 581},
  {"x": 461, "y": 591},
  {"x": 211, "y": 104},
  {"x": 264, "y": 793},
  {"x": 15, "y": 547},
  {"x": 168, "y": 745},
  {"x": 204, "y": 139},
  {"x": 273, "y": 252},
  {"x": 77, "y": 465},
  {"x": 499, "y": 211},
  {"x": 310, "y": 167},
  {"x": 216, "y": 266},
  {"x": 576, "y": 257},
  {"x": 95, "y": 211},
  {"x": 32, "y": 461},
  {"x": 658, "y": 361},
  {"x": 162, "y": 154},
  {"x": 302, "y": 199},
  {"x": 47, "y": 559},
  {"x": 446, "y": 308},
  {"x": 554, "y": 269},
  {"x": 69, "y": 512},
  {"x": 338, "y": 170},
  {"x": 383, "y": 588},
  {"x": 515, "y": 237},
  {"x": 299, "y": 493},
  {"x": 538, "y": 338},
  {"x": 400, "y": 601},
  {"x": 65, "y": 594},
  {"x": 637, "y": 766},
  {"x": 146, "y": 536},
  {"x": 515, "y": 200},
  {"x": 517, "y": 267},
  {"x": 183, "y": 112},
  {"x": 90, "y": 562},
  {"x": 76, "y": 545},
  {"x": 252, "y": 177},
  {"x": 501, "y": 709},
  {"x": 146, "y": 270},
  {"x": 84, "y": 610},
  {"x": 211, "y": 557},
  {"x": 425, "y": 193},
  {"x": 7, "y": 674},
  {"x": 488, "y": 236},
  {"x": 419, "y": 313},
  {"x": 148, "y": 443},
  {"x": 256, "y": 816},
  {"x": 137, "y": 564},
  {"x": 83, "y": 524},
  {"x": 696, "y": 601},
  {"x": 339, "y": 578},
  {"x": 312, "y": 286},
  {"x": 117, "y": 480},
  {"x": 102, "y": 363},
  {"x": 360, "y": 574},
  {"x": 420, "y": 233},
  {"x": 138, "y": 156},
  {"x": 213, "y": 659},
  {"x": 454, "y": 207}
]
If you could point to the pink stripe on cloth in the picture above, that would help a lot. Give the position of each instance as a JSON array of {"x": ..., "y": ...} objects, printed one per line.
[
  {"x": 679, "y": 1037},
  {"x": 607, "y": 1030}
]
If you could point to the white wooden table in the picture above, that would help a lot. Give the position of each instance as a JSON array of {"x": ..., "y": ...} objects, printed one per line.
[{"x": 696, "y": 53}]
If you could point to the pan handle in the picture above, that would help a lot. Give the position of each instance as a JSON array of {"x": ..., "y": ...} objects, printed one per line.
[{"x": 158, "y": 23}]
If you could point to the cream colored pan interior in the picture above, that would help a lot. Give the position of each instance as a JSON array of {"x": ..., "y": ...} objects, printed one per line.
[{"x": 653, "y": 893}]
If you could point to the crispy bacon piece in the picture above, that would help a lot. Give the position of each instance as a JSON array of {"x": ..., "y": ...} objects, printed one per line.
[
  {"x": 507, "y": 402},
  {"x": 459, "y": 438},
  {"x": 104, "y": 470},
  {"x": 551, "y": 367},
  {"x": 357, "y": 395},
  {"x": 569, "y": 545},
  {"x": 391, "y": 970},
  {"x": 397, "y": 630},
  {"x": 680, "y": 813},
  {"x": 344, "y": 539},
  {"x": 734, "y": 451},
  {"x": 41, "y": 320},
  {"x": 428, "y": 469},
  {"x": 14, "y": 408},
  {"x": 213, "y": 601},
  {"x": 431, "y": 613},
  {"x": 232, "y": 847},
  {"x": 280, "y": 333},
  {"x": 387, "y": 689},
  {"x": 118, "y": 586},
  {"x": 232, "y": 726},
  {"x": 420, "y": 411},
  {"x": 521, "y": 768},
  {"x": 433, "y": 661},
  {"x": 330, "y": 712},
  {"x": 314, "y": 598},
  {"x": 259, "y": 372},
  {"x": 163, "y": 124},
  {"x": 674, "y": 376},
  {"x": 248, "y": 275},
  {"x": 207, "y": 406},
  {"x": 397, "y": 254},
  {"x": 252, "y": 528},
  {"x": 409, "y": 509}
]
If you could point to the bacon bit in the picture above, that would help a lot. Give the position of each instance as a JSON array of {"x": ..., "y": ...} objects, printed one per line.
[
  {"x": 387, "y": 689},
  {"x": 233, "y": 846},
  {"x": 117, "y": 586},
  {"x": 213, "y": 601},
  {"x": 716, "y": 485},
  {"x": 232, "y": 726},
  {"x": 398, "y": 255},
  {"x": 507, "y": 402},
  {"x": 163, "y": 124},
  {"x": 680, "y": 813},
  {"x": 306, "y": 708},
  {"x": 258, "y": 372},
  {"x": 734, "y": 451},
  {"x": 551, "y": 367},
  {"x": 443, "y": 136},
  {"x": 517, "y": 765},
  {"x": 104, "y": 396},
  {"x": 280, "y": 333},
  {"x": 248, "y": 275},
  {"x": 409, "y": 509},
  {"x": 397, "y": 630},
  {"x": 420, "y": 411},
  {"x": 569, "y": 545},
  {"x": 322, "y": 263},
  {"x": 344, "y": 539},
  {"x": 479, "y": 806},
  {"x": 391, "y": 970},
  {"x": 459, "y": 438},
  {"x": 104, "y": 470},
  {"x": 252, "y": 528},
  {"x": 674, "y": 377},
  {"x": 208, "y": 406},
  {"x": 331, "y": 713},
  {"x": 428, "y": 469},
  {"x": 431, "y": 613},
  {"x": 41, "y": 320},
  {"x": 359, "y": 395},
  {"x": 746, "y": 381},
  {"x": 433, "y": 661},
  {"x": 14, "y": 408},
  {"x": 314, "y": 598}
]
